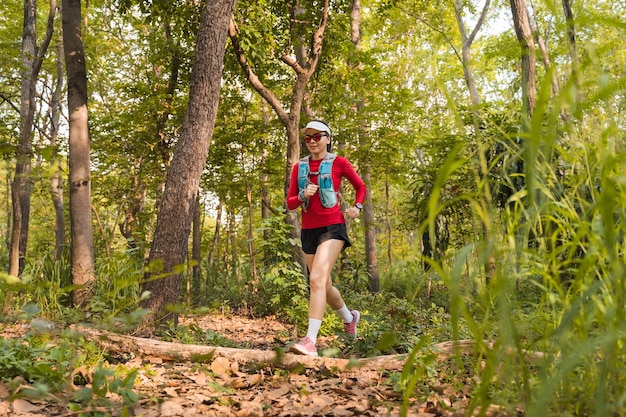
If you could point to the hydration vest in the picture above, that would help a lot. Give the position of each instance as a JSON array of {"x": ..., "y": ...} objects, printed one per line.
[{"x": 327, "y": 193}]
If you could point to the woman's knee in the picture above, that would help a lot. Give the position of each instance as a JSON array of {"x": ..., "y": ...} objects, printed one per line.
[{"x": 317, "y": 281}]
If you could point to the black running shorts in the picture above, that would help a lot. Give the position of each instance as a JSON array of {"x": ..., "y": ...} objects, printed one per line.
[{"x": 311, "y": 238}]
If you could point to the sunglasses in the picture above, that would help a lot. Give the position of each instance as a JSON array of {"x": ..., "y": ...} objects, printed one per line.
[{"x": 316, "y": 137}]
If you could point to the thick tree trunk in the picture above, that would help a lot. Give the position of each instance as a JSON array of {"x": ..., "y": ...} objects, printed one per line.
[
  {"x": 171, "y": 236},
  {"x": 83, "y": 257}
]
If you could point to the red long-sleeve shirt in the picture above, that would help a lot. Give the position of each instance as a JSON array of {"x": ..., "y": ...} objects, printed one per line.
[{"x": 316, "y": 215}]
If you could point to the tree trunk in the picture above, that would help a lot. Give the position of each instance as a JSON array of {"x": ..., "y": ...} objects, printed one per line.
[
  {"x": 183, "y": 176},
  {"x": 371, "y": 253},
  {"x": 468, "y": 74},
  {"x": 32, "y": 59},
  {"x": 466, "y": 42},
  {"x": 524, "y": 34},
  {"x": 20, "y": 190},
  {"x": 56, "y": 181},
  {"x": 83, "y": 257},
  {"x": 571, "y": 38},
  {"x": 196, "y": 253},
  {"x": 543, "y": 49},
  {"x": 232, "y": 240},
  {"x": 216, "y": 236},
  {"x": 251, "y": 250}
]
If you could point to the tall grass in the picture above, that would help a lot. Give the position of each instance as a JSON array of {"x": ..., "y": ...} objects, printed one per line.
[{"x": 563, "y": 234}]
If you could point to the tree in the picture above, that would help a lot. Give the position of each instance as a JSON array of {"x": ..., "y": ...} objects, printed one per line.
[
  {"x": 521, "y": 21},
  {"x": 303, "y": 65},
  {"x": 32, "y": 59},
  {"x": 371, "y": 254},
  {"x": 82, "y": 248},
  {"x": 56, "y": 179},
  {"x": 466, "y": 44},
  {"x": 169, "y": 247}
]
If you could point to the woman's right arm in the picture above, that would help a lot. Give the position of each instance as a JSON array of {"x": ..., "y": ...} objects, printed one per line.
[{"x": 293, "y": 202}]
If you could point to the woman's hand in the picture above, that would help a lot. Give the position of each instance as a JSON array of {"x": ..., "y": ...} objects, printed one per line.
[
  {"x": 353, "y": 212},
  {"x": 310, "y": 190}
]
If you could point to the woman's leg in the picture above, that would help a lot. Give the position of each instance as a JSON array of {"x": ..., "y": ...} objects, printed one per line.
[{"x": 320, "y": 266}]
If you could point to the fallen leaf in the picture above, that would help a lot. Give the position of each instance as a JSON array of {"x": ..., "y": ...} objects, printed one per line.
[
  {"x": 4, "y": 391},
  {"x": 245, "y": 382},
  {"x": 278, "y": 393},
  {"x": 23, "y": 406},
  {"x": 250, "y": 409},
  {"x": 171, "y": 408},
  {"x": 221, "y": 367}
]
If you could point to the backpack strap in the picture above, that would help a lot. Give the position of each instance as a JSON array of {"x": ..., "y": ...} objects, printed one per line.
[{"x": 303, "y": 180}]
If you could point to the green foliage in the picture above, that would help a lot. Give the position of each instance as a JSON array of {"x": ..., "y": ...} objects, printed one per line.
[
  {"x": 47, "y": 282},
  {"x": 556, "y": 285},
  {"x": 194, "y": 334},
  {"x": 117, "y": 291},
  {"x": 282, "y": 286},
  {"x": 51, "y": 362},
  {"x": 97, "y": 396},
  {"x": 38, "y": 360}
]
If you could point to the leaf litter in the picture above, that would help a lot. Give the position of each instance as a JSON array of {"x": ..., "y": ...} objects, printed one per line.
[{"x": 224, "y": 387}]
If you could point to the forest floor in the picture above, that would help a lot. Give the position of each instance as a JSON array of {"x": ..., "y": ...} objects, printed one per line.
[{"x": 228, "y": 386}]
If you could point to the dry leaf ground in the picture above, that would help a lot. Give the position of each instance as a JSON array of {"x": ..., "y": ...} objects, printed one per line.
[{"x": 224, "y": 387}]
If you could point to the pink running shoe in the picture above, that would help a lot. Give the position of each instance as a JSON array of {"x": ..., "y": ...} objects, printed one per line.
[
  {"x": 305, "y": 347},
  {"x": 350, "y": 328}
]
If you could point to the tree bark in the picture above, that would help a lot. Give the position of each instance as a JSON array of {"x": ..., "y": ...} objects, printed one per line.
[
  {"x": 251, "y": 250},
  {"x": 467, "y": 41},
  {"x": 32, "y": 59},
  {"x": 82, "y": 257},
  {"x": 20, "y": 190},
  {"x": 371, "y": 252},
  {"x": 178, "y": 352},
  {"x": 56, "y": 181},
  {"x": 571, "y": 37},
  {"x": 216, "y": 236},
  {"x": 183, "y": 176},
  {"x": 524, "y": 34},
  {"x": 543, "y": 49},
  {"x": 196, "y": 253}
]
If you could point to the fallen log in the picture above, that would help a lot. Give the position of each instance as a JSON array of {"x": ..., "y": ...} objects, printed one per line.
[{"x": 179, "y": 352}]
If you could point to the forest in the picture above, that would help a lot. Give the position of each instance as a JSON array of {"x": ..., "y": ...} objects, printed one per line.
[{"x": 151, "y": 267}]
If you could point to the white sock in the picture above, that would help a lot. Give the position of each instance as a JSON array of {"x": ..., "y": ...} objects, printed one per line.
[
  {"x": 314, "y": 328},
  {"x": 345, "y": 314}
]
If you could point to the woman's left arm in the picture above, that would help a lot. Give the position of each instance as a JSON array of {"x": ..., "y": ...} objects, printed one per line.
[{"x": 357, "y": 182}]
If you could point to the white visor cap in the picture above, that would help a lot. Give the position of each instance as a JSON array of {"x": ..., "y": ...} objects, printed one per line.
[{"x": 319, "y": 126}]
